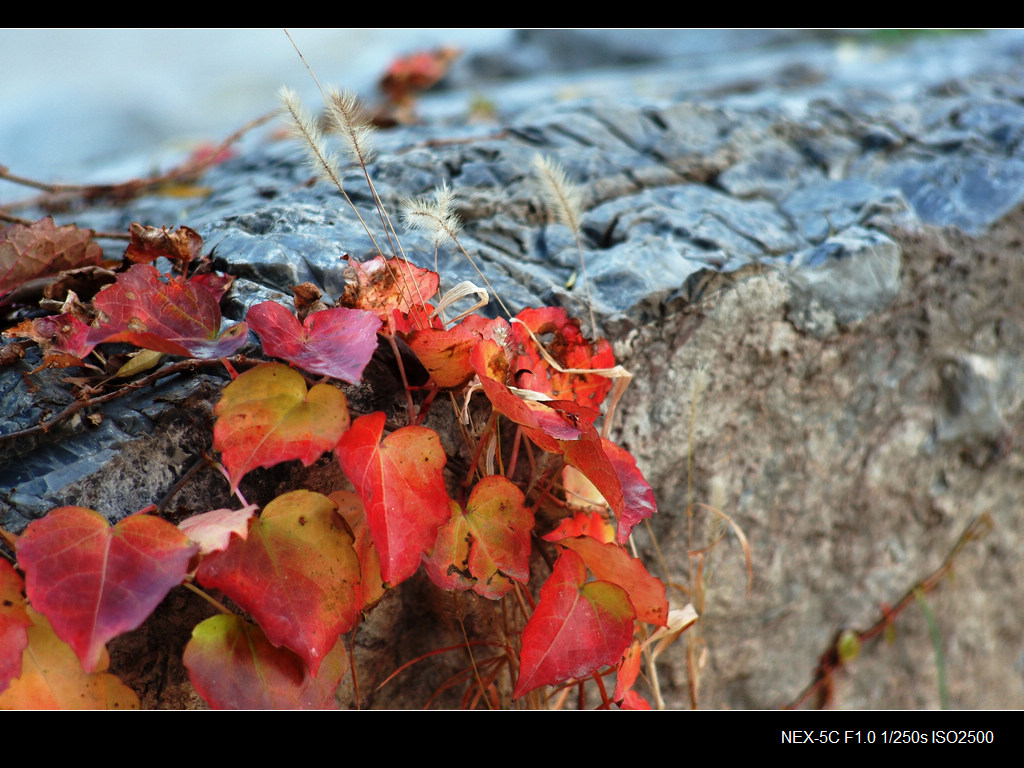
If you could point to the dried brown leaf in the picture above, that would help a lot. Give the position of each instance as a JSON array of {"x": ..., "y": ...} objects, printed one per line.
[{"x": 41, "y": 250}]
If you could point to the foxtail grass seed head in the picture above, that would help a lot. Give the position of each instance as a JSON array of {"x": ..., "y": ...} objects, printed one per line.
[
  {"x": 564, "y": 197},
  {"x": 718, "y": 493},
  {"x": 699, "y": 382},
  {"x": 435, "y": 217},
  {"x": 347, "y": 118},
  {"x": 304, "y": 128}
]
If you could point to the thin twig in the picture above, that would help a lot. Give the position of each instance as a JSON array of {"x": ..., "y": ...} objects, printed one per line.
[
  {"x": 58, "y": 195},
  {"x": 831, "y": 660},
  {"x": 124, "y": 389}
]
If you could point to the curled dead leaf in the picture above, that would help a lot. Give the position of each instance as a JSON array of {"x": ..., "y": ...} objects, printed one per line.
[{"x": 679, "y": 620}]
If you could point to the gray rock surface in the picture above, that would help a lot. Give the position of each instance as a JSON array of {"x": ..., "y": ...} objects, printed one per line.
[{"x": 762, "y": 244}]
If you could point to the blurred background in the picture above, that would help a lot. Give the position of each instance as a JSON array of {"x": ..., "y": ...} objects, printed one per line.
[
  {"x": 91, "y": 105},
  {"x": 107, "y": 105}
]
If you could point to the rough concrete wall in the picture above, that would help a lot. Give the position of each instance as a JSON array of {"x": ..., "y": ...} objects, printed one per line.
[{"x": 840, "y": 461}]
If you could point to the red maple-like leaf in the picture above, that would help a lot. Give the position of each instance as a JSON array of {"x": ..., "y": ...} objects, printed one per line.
[
  {"x": 176, "y": 317},
  {"x": 335, "y": 342},
  {"x": 94, "y": 581},
  {"x": 401, "y": 483},
  {"x": 386, "y": 286},
  {"x": 569, "y": 349},
  {"x": 64, "y": 338},
  {"x": 545, "y": 426},
  {"x": 486, "y": 547},
  {"x": 296, "y": 573},
  {"x": 577, "y": 628},
  {"x": 233, "y": 665},
  {"x": 266, "y": 416}
]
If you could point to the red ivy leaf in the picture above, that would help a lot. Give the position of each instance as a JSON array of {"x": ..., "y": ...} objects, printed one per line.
[
  {"x": 634, "y": 700},
  {"x": 175, "y": 317},
  {"x": 637, "y": 496},
  {"x": 487, "y": 547},
  {"x": 94, "y": 581},
  {"x": 407, "y": 75},
  {"x": 266, "y": 416},
  {"x": 576, "y": 629},
  {"x": 335, "y": 342},
  {"x": 215, "y": 283},
  {"x": 629, "y": 669},
  {"x": 296, "y": 573},
  {"x": 401, "y": 483},
  {"x": 611, "y": 469},
  {"x": 233, "y": 666}
]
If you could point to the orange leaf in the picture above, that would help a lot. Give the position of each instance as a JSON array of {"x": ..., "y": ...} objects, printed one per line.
[
  {"x": 296, "y": 573},
  {"x": 487, "y": 547},
  {"x": 569, "y": 349},
  {"x": 385, "y": 286},
  {"x": 14, "y": 624},
  {"x": 266, "y": 416},
  {"x": 52, "y": 677},
  {"x": 445, "y": 354}
]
